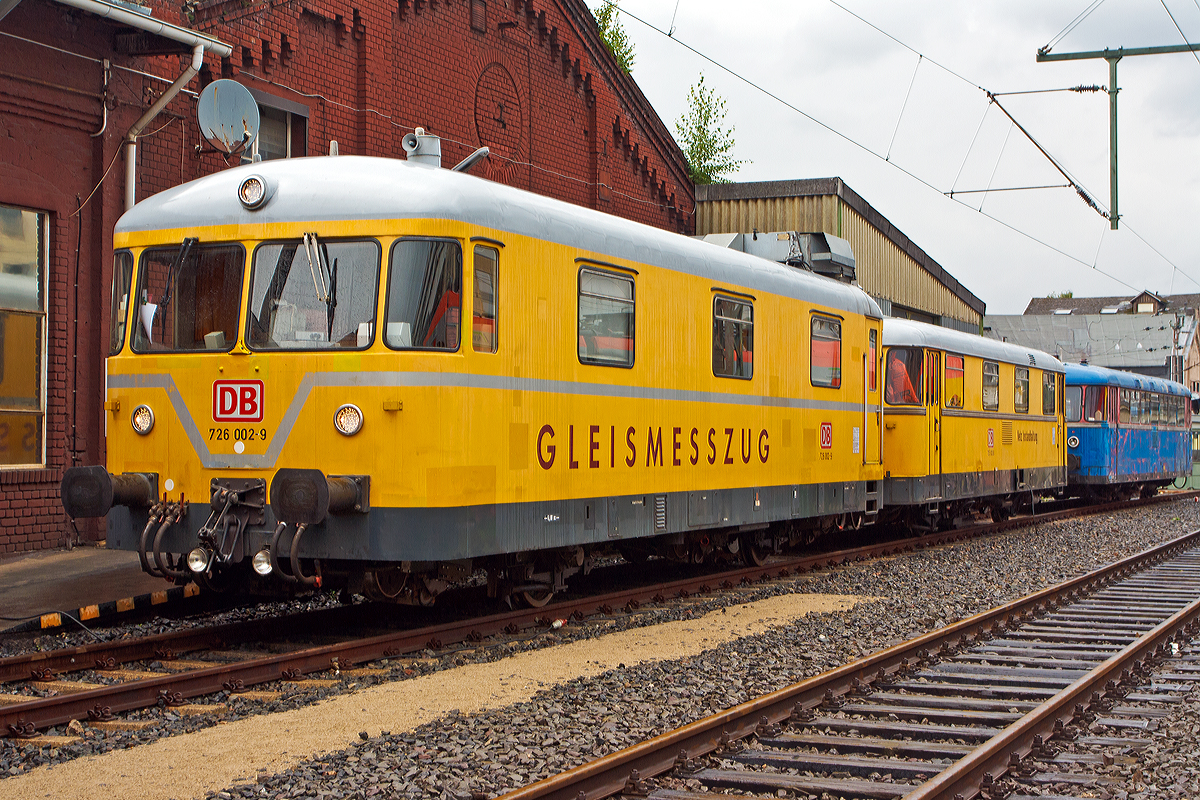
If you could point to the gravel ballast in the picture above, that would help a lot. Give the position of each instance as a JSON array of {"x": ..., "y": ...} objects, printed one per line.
[{"x": 459, "y": 754}]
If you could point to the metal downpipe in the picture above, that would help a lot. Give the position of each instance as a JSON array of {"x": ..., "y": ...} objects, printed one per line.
[{"x": 151, "y": 113}]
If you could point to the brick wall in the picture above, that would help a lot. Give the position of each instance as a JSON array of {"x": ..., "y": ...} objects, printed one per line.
[{"x": 528, "y": 78}]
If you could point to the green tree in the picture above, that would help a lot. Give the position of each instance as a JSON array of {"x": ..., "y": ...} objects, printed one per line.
[
  {"x": 613, "y": 34},
  {"x": 704, "y": 142},
  {"x": 1063, "y": 295}
]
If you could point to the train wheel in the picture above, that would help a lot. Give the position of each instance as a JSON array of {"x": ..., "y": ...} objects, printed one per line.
[
  {"x": 537, "y": 598},
  {"x": 754, "y": 553}
]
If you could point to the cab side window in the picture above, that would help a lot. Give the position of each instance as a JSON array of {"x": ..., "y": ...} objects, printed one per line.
[
  {"x": 733, "y": 338},
  {"x": 1049, "y": 381},
  {"x": 826, "y": 352},
  {"x": 483, "y": 299},
  {"x": 991, "y": 386},
  {"x": 606, "y": 318},
  {"x": 903, "y": 376}
]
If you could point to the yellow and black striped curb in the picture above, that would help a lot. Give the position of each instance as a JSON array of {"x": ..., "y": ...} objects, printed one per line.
[{"x": 105, "y": 612}]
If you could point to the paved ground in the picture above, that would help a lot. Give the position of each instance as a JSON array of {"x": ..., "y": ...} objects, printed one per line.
[{"x": 64, "y": 580}]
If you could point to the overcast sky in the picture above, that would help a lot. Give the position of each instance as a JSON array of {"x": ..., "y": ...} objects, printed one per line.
[{"x": 854, "y": 79}]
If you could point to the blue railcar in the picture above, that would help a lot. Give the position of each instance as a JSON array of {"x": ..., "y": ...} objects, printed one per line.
[{"x": 1125, "y": 432}]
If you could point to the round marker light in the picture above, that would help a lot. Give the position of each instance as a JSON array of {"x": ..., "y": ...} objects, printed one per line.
[
  {"x": 142, "y": 419},
  {"x": 197, "y": 560},
  {"x": 1073, "y": 441},
  {"x": 262, "y": 562},
  {"x": 253, "y": 192},
  {"x": 348, "y": 419}
]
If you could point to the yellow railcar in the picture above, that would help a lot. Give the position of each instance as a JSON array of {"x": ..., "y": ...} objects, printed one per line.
[
  {"x": 969, "y": 423},
  {"x": 381, "y": 375}
]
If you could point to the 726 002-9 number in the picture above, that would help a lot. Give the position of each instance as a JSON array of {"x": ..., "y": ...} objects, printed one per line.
[{"x": 237, "y": 434}]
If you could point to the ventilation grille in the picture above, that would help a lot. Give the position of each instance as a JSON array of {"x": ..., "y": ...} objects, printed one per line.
[
  {"x": 660, "y": 512},
  {"x": 1006, "y": 433},
  {"x": 1032, "y": 360}
]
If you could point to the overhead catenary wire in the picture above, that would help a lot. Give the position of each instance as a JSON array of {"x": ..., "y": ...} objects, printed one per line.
[
  {"x": 1195, "y": 55},
  {"x": 1071, "y": 25},
  {"x": 1082, "y": 191},
  {"x": 903, "y": 106}
]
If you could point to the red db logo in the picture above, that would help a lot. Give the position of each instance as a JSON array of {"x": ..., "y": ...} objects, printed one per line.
[
  {"x": 826, "y": 435},
  {"x": 237, "y": 401}
]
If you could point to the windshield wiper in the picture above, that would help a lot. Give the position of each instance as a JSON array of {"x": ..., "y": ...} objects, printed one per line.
[
  {"x": 180, "y": 259},
  {"x": 316, "y": 266}
]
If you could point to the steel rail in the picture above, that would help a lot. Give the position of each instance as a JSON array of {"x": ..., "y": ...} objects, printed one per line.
[
  {"x": 46, "y": 712},
  {"x": 991, "y": 761},
  {"x": 611, "y": 774},
  {"x": 105, "y": 654}
]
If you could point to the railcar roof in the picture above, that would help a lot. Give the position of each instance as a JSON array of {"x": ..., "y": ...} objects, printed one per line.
[
  {"x": 325, "y": 188},
  {"x": 1090, "y": 375},
  {"x": 907, "y": 332}
]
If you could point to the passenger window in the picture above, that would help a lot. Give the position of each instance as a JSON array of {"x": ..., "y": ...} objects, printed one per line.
[
  {"x": 826, "y": 352},
  {"x": 733, "y": 338},
  {"x": 872, "y": 357},
  {"x": 483, "y": 300},
  {"x": 312, "y": 294},
  {"x": 606, "y": 318},
  {"x": 1049, "y": 380},
  {"x": 1021, "y": 390},
  {"x": 122, "y": 274},
  {"x": 1073, "y": 402},
  {"x": 1123, "y": 395},
  {"x": 991, "y": 386},
  {"x": 955, "y": 381},
  {"x": 424, "y": 300},
  {"x": 188, "y": 297},
  {"x": 903, "y": 376}
]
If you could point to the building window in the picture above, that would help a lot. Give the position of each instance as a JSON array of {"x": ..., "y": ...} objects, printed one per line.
[
  {"x": 991, "y": 386},
  {"x": 22, "y": 337},
  {"x": 483, "y": 302},
  {"x": 955, "y": 381},
  {"x": 1049, "y": 381},
  {"x": 1021, "y": 390},
  {"x": 424, "y": 295},
  {"x": 733, "y": 338},
  {"x": 282, "y": 129},
  {"x": 826, "y": 352},
  {"x": 606, "y": 318}
]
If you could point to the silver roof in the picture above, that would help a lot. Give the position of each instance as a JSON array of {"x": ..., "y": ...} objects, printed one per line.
[
  {"x": 324, "y": 188},
  {"x": 901, "y": 332},
  {"x": 1117, "y": 341}
]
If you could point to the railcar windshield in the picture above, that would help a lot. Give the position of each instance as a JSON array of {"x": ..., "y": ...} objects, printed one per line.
[
  {"x": 188, "y": 297},
  {"x": 1073, "y": 400},
  {"x": 311, "y": 294},
  {"x": 904, "y": 376},
  {"x": 425, "y": 295}
]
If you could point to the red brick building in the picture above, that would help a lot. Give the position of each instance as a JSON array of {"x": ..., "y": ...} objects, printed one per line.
[{"x": 528, "y": 78}]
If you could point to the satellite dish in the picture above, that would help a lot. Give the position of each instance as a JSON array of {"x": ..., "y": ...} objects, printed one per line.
[{"x": 228, "y": 116}]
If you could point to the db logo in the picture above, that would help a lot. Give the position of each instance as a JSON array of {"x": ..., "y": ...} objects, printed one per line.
[
  {"x": 991, "y": 438},
  {"x": 237, "y": 401},
  {"x": 826, "y": 435}
]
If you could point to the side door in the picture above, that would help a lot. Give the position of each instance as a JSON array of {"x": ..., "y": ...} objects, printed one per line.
[{"x": 933, "y": 412}]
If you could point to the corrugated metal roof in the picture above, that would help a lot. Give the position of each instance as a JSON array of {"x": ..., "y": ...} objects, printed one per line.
[
  {"x": 757, "y": 190},
  {"x": 1118, "y": 341}
]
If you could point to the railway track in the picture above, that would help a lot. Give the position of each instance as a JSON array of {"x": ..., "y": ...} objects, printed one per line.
[
  {"x": 172, "y": 668},
  {"x": 950, "y": 714}
]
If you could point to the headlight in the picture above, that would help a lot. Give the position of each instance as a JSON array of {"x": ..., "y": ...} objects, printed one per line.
[
  {"x": 253, "y": 191},
  {"x": 262, "y": 562},
  {"x": 348, "y": 419},
  {"x": 197, "y": 560},
  {"x": 142, "y": 419}
]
